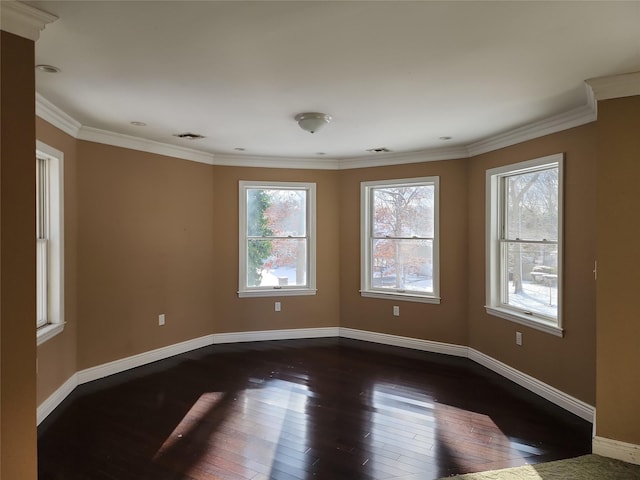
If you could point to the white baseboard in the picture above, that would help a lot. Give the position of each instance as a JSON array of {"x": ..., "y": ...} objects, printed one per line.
[
  {"x": 406, "y": 342},
  {"x": 265, "y": 335},
  {"x": 548, "y": 392},
  {"x": 564, "y": 400},
  {"x": 117, "y": 366},
  {"x": 56, "y": 398},
  {"x": 627, "y": 452}
]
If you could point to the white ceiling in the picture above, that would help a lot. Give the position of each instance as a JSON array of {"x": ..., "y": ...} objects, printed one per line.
[{"x": 392, "y": 74}]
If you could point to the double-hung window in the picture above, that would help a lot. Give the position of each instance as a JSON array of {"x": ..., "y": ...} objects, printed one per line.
[
  {"x": 399, "y": 236},
  {"x": 277, "y": 239},
  {"x": 524, "y": 243},
  {"x": 49, "y": 242},
  {"x": 42, "y": 241}
]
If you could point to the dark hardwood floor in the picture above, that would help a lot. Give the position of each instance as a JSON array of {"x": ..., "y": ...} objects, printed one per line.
[{"x": 302, "y": 409}]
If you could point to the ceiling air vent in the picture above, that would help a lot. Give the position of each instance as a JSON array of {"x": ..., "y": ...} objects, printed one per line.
[
  {"x": 189, "y": 136},
  {"x": 378, "y": 150}
]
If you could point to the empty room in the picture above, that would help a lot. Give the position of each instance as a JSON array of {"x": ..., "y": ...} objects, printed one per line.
[{"x": 319, "y": 239}]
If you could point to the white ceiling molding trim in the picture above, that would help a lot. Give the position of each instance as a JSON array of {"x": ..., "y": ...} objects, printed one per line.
[
  {"x": 277, "y": 162},
  {"x": 376, "y": 160},
  {"x": 563, "y": 121},
  {"x": 150, "y": 146},
  {"x": 56, "y": 117},
  {"x": 557, "y": 123},
  {"x": 615, "y": 86},
  {"x": 23, "y": 20}
]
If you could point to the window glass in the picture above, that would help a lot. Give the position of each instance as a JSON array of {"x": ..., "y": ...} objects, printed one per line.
[
  {"x": 276, "y": 236},
  {"x": 399, "y": 238},
  {"x": 524, "y": 242},
  {"x": 49, "y": 229}
]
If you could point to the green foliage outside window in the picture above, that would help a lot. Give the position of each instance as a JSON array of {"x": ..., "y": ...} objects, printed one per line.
[{"x": 258, "y": 201}]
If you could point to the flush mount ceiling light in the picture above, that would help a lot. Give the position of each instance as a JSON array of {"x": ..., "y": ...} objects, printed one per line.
[
  {"x": 312, "y": 121},
  {"x": 378, "y": 150},
  {"x": 189, "y": 136},
  {"x": 48, "y": 68}
]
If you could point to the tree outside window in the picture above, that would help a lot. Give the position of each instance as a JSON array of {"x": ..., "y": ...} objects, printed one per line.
[
  {"x": 400, "y": 238},
  {"x": 524, "y": 242},
  {"x": 277, "y": 236}
]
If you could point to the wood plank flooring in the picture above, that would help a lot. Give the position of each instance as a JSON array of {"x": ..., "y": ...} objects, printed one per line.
[{"x": 302, "y": 409}]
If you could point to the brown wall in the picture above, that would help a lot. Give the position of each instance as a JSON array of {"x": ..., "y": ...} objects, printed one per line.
[
  {"x": 57, "y": 357},
  {"x": 17, "y": 259},
  {"x": 566, "y": 363},
  {"x": 159, "y": 235},
  {"x": 445, "y": 322},
  {"x": 147, "y": 234},
  {"x": 618, "y": 310},
  {"x": 145, "y": 246},
  {"x": 235, "y": 314}
]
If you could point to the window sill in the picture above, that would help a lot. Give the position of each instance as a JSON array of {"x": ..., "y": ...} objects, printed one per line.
[
  {"x": 407, "y": 297},
  {"x": 277, "y": 292},
  {"x": 48, "y": 332},
  {"x": 529, "y": 321}
]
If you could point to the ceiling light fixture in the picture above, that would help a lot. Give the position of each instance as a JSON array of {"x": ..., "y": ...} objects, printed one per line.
[
  {"x": 378, "y": 150},
  {"x": 189, "y": 136},
  {"x": 48, "y": 68},
  {"x": 138, "y": 124},
  {"x": 312, "y": 121}
]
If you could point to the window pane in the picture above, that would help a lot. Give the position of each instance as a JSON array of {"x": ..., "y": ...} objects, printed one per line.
[
  {"x": 531, "y": 277},
  {"x": 258, "y": 201},
  {"x": 41, "y": 282},
  {"x": 277, "y": 262},
  {"x": 403, "y": 211},
  {"x": 279, "y": 213},
  {"x": 532, "y": 205},
  {"x": 402, "y": 265}
]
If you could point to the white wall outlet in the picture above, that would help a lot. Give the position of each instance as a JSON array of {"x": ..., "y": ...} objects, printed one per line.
[
  {"x": 396, "y": 311},
  {"x": 161, "y": 319},
  {"x": 519, "y": 338},
  {"x": 278, "y": 306}
]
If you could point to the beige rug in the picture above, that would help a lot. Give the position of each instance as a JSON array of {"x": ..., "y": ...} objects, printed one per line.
[{"x": 588, "y": 467}]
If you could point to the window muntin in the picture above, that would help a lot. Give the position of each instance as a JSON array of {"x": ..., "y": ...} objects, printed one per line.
[
  {"x": 277, "y": 251},
  {"x": 399, "y": 239},
  {"x": 525, "y": 243},
  {"x": 49, "y": 242}
]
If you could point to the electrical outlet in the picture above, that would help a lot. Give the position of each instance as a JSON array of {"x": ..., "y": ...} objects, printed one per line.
[
  {"x": 396, "y": 311},
  {"x": 278, "y": 306},
  {"x": 519, "y": 338},
  {"x": 161, "y": 319}
]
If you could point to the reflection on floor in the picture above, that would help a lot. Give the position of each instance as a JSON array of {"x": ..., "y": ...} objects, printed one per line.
[{"x": 300, "y": 409}]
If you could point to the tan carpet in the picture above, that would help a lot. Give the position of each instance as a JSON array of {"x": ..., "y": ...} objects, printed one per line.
[{"x": 588, "y": 467}]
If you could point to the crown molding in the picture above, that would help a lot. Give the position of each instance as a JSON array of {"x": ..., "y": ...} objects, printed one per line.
[
  {"x": 276, "y": 162},
  {"x": 563, "y": 121},
  {"x": 56, "y": 117},
  {"x": 23, "y": 20},
  {"x": 451, "y": 153},
  {"x": 615, "y": 86},
  {"x": 150, "y": 146},
  {"x": 573, "y": 118}
]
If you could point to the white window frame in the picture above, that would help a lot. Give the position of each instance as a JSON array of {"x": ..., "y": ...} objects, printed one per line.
[
  {"x": 284, "y": 290},
  {"x": 495, "y": 205},
  {"x": 366, "y": 240},
  {"x": 54, "y": 323}
]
